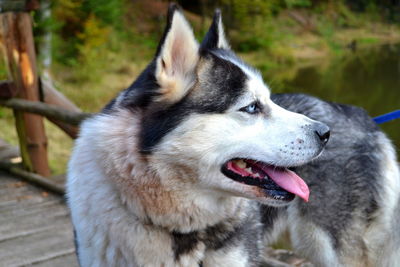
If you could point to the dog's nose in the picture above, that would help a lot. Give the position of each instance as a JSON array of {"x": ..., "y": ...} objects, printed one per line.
[{"x": 323, "y": 132}]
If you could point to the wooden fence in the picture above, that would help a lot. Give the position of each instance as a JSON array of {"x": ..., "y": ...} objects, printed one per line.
[{"x": 30, "y": 97}]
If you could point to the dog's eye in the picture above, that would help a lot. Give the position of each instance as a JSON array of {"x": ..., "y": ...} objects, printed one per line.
[{"x": 253, "y": 108}]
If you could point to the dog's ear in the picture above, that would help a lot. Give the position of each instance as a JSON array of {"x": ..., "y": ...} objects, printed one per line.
[
  {"x": 215, "y": 37},
  {"x": 176, "y": 58}
]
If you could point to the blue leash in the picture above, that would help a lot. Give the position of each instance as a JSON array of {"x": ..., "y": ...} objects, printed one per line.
[{"x": 387, "y": 117}]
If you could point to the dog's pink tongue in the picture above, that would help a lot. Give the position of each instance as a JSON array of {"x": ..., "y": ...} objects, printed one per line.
[{"x": 289, "y": 181}]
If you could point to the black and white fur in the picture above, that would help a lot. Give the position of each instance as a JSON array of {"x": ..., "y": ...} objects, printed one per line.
[{"x": 145, "y": 186}]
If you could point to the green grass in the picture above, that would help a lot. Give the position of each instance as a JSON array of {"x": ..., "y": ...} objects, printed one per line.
[{"x": 369, "y": 40}]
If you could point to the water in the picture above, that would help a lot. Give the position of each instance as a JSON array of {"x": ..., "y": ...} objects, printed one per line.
[{"x": 368, "y": 78}]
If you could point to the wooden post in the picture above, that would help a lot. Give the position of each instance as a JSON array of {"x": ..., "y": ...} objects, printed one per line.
[{"x": 17, "y": 39}]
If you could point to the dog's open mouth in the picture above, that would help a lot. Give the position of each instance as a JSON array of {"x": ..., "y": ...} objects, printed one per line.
[{"x": 279, "y": 183}]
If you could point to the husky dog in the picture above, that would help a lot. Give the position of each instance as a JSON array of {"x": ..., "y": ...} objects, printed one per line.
[{"x": 195, "y": 165}]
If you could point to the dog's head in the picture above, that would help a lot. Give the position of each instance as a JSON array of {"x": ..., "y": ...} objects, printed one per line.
[{"x": 208, "y": 118}]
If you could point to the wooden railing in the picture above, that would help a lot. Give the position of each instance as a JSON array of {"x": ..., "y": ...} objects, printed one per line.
[{"x": 30, "y": 98}]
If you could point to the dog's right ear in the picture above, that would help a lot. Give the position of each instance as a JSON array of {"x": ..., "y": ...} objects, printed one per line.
[
  {"x": 215, "y": 37},
  {"x": 176, "y": 58}
]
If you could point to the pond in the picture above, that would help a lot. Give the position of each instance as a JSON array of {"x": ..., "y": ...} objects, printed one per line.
[{"x": 369, "y": 78}]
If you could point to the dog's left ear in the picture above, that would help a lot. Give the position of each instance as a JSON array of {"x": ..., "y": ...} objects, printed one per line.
[
  {"x": 215, "y": 37},
  {"x": 176, "y": 57}
]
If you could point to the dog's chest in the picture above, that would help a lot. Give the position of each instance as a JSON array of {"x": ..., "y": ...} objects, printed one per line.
[
  {"x": 196, "y": 248},
  {"x": 212, "y": 238},
  {"x": 217, "y": 245}
]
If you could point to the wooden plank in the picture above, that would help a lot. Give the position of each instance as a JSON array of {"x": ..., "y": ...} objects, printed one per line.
[
  {"x": 23, "y": 194},
  {"x": 66, "y": 260},
  {"x": 12, "y": 210},
  {"x": 17, "y": 40},
  {"x": 33, "y": 178},
  {"x": 35, "y": 216},
  {"x": 34, "y": 230},
  {"x": 37, "y": 247},
  {"x": 22, "y": 231}
]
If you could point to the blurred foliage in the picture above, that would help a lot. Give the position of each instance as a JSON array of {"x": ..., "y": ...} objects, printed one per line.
[
  {"x": 270, "y": 25},
  {"x": 84, "y": 30},
  {"x": 298, "y": 3}
]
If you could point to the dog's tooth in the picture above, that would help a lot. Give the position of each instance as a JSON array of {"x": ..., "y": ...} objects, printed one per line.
[
  {"x": 249, "y": 170},
  {"x": 241, "y": 164},
  {"x": 253, "y": 171}
]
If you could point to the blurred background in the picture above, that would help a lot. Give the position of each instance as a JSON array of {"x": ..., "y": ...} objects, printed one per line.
[{"x": 345, "y": 51}]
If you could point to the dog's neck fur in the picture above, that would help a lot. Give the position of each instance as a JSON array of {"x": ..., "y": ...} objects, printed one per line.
[{"x": 152, "y": 200}]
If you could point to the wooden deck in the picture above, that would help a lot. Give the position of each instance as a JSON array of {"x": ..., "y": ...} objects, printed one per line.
[{"x": 35, "y": 228}]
